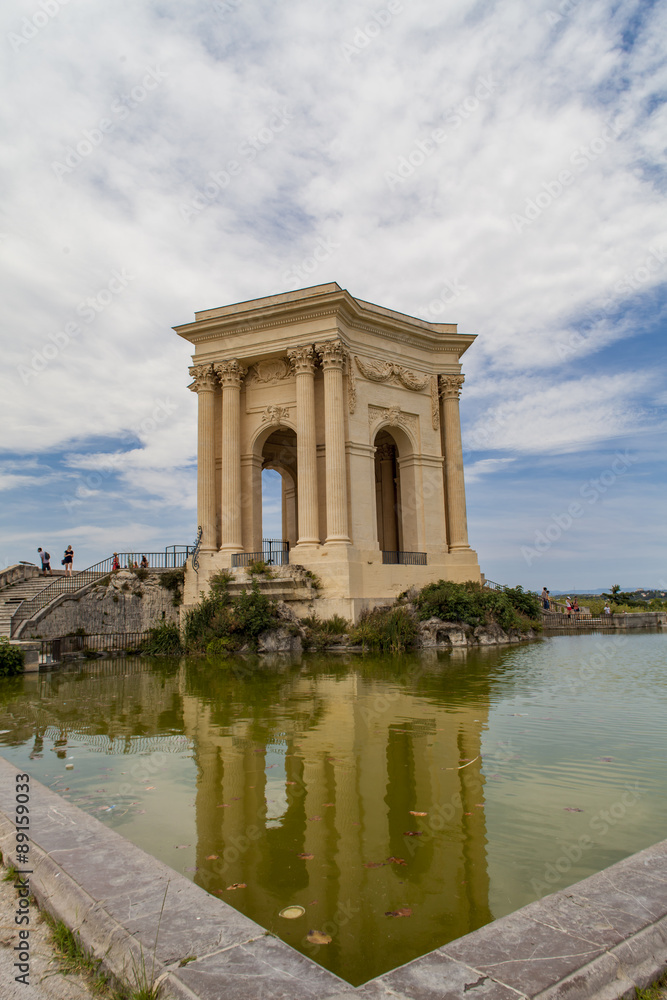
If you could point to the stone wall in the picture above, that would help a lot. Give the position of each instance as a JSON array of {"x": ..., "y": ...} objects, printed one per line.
[{"x": 124, "y": 603}]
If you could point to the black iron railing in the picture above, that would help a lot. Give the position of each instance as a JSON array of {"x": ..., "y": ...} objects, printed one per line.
[
  {"x": 173, "y": 557},
  {"x": 391, "y": 558},
  {"x": 63, "y": 645},
  {"x": 274, "y": 552}
]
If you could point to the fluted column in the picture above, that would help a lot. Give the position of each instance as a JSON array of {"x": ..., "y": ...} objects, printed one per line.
[
  {"x": 204, "y": 385},
  {"x": 302, "y": 360},
  {"x": 390, "y": 537},
  {"x": 332, "y": 355},
  {"x": 450, "y": 389},
  {"x": 231, "y": 375}
]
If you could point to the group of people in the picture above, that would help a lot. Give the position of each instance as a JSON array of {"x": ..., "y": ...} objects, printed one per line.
[
  {"x": 67, "y": 561},
  {"x": 131, "y": 564},
  {"x": 571, "y": 604}
]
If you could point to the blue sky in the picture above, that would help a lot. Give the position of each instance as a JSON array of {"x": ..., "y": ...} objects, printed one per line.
[{"x": 500, "y": 166}]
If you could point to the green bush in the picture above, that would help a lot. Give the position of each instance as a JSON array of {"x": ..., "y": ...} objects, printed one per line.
[
  {"x": 239, "y": 619},
  {"x": 12, "y": 658},
  {"x": 260, "y": 568},
  {"x": 164, "y": 639},
  {"x": 220, "y": 581},
  {"x": 471, "y": 604},
  {"x": 386, "y": 629},
  {"x": 140, "y": 572},
  {"x": 218, "y": 647}
]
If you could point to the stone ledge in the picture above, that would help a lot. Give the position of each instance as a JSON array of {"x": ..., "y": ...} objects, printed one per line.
[{"x": 596, "y": 940}]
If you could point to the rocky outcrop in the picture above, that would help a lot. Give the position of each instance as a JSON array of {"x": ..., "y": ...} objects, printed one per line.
[{"x": 434, "y": 633}]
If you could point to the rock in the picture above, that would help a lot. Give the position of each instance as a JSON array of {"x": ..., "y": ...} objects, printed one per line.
[
  {"x": 278, "y": 640},
  {"x": 435, "y": 632},
  {"x": 490, "y": 635}
]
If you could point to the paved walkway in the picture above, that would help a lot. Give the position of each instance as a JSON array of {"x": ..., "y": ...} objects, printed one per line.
[{"x": 46, "y": 983}]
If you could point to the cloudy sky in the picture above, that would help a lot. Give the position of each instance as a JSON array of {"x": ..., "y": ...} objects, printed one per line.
[{"x": 496, "y": 165}]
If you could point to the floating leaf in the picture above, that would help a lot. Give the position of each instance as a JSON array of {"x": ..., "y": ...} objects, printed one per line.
[
  {"x": 405, "y": 911},
  {"x": 314, "y": 819},
  {"x": 236, "y": 885},
  {"x": 223, "y": 805},
  {"x": 328, "y": 805},
  {"x": 572, "y": 809},
  {"x": 317, "y": 937},
  {"x": 306, "y": 857},
  {"x": 413, "y": 813},
  {"x": 413, "y": 833},
  {"x": 397, "y": 861},
  {"x": 290, "y": 782},
  {"x": 181, "y": 847},
  {"x": 375, "y": 864},
  {"x": 149, "y": 788},
  {"x": 212, "y": 857}
]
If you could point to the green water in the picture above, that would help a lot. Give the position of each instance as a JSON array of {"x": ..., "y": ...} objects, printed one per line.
[{"x": 533, "y": 766}]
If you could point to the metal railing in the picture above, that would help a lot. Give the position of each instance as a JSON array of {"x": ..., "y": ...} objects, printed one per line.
[
  {"x": 274, "y": 552},
  {"x": 54, "y": 649},
  {"x": 393, "y": 558},
  {"x": 494, "y": 586},
  {"x": 173, "y": 557}
]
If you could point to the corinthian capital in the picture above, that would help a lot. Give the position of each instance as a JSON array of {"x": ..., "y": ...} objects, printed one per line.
[
  {"x": 332, "y": 354},
  {"x": 302, "y": 360},
  {"x": 230, "y": 373},
  {"x": 451, "y": 385},
  {"x": 204, "y": 378}
]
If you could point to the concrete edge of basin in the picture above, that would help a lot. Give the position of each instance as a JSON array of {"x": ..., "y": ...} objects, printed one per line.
[{"x": 596, "y": 940}]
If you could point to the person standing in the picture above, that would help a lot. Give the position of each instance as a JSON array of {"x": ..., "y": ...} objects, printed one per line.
[
  {"x": 545, "y": 598},
  {"x": 46, "y": 562},
  {"x": 68, "y": 560}
]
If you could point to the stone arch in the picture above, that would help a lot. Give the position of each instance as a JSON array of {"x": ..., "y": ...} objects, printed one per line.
[
  {"x": 395, "y": 489},
  {"x": 276, "y": 448}
]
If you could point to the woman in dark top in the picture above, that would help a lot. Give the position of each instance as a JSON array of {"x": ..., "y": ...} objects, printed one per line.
[{"x": 68, "y": 560}]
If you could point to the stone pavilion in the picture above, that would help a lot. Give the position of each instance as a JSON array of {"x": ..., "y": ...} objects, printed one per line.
[{"x": 357, "y": 408}]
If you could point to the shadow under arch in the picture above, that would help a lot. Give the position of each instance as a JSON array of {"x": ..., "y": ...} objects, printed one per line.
[{"x": 396, "y": 490}]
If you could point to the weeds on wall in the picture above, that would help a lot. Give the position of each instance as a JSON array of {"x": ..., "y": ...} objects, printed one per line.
[
  {"x": 471, "y": 604},
  {"x": 386, "y": 630}
]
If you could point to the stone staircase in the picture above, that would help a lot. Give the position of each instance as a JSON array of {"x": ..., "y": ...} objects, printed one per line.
[{"x": 16, "y": 593}]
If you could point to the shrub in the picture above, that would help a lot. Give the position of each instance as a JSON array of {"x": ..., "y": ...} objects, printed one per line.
[
  {"x": 471, "y": 604},
  {"x": 12, "y": 658},
  {"x": 219, "y": 582},
  {"x": 239, "y": 619},
  {"x": 224, "y": 644},
  {"x": 140, "y": 572},
  {"x": 260, "y": 568},
  {"x": 164, "y": 639},
  {"x": 386, "y": 629}
]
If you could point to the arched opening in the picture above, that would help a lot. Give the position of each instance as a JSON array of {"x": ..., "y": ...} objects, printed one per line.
[
  {"x": 388, "y": 493},
  {"x": 279, "y": 493}
]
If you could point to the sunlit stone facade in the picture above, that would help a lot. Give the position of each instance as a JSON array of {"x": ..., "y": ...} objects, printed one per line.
[{"x": 357, "y": 408}]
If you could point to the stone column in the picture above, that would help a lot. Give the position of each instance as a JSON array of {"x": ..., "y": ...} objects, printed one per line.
[
  {"x": 205, "y": 385},
  {"x": 332, "y": 355},
  {"x": 388, "y": 488},
  {"x": 231, "y": 375},
  {"x": 450, "y": 389},
  {"x": 302, "y": 360}
]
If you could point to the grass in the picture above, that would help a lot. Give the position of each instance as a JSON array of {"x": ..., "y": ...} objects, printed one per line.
[{"x": 655, "y": 992}]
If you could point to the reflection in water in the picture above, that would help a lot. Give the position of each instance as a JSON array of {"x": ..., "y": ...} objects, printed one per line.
[{"x": 359, "y": 789}]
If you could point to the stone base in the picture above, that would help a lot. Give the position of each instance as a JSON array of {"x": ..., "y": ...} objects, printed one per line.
[{"x": 351, "y": 579}]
